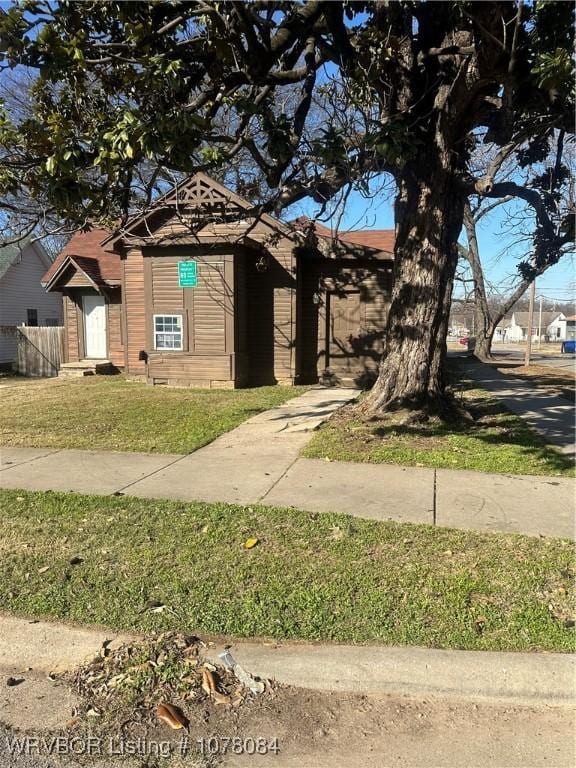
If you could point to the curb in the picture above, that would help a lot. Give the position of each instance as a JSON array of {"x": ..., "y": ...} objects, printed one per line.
[{"x": 520, "y": 678}]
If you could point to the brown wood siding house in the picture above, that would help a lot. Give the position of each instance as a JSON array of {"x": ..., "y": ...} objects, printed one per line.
[{"x": 271, "y": 303}]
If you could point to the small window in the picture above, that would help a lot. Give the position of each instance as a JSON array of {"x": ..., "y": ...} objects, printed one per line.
[
  {"x": 167, "y": 331},
  {"x": 32, "y": 318}
]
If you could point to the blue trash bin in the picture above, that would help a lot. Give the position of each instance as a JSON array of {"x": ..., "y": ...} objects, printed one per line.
[{"x": 569, "y": 346}]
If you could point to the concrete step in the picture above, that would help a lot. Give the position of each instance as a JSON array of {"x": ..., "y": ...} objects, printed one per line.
[{"x": 86, "y": 368}]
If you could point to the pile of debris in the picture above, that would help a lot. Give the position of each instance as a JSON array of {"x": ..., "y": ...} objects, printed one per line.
[{"x": 162, "y": 679}]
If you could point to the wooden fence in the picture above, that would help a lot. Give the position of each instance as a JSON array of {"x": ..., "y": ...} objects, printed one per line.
[{"x": 40, "y": 350}]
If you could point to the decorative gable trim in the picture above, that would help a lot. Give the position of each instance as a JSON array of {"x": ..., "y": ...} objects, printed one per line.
[{"x": 195, "y": 200}]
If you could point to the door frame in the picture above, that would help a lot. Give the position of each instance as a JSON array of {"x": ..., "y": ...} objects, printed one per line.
[{"x": 84, "y": 337}]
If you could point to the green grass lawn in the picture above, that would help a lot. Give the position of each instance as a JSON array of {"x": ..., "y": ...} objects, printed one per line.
[
  {"x": 496, "y": 441},
  {"x": 110, "y": 561},
  {"x": 112, "y": 413}
]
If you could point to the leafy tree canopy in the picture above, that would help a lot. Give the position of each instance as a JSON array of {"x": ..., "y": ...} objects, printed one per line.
[
  {"x": 120, "y": 87},
  {"x": 125, "y": 92}
]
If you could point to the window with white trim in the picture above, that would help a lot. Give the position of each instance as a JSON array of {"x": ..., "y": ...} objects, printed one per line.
[{"x": 168, "y": 332}]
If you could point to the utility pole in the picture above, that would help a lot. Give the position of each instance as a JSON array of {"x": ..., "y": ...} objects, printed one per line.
[
  {"x": 530, "y": 322},
  {"x": 540, "y": 323}
]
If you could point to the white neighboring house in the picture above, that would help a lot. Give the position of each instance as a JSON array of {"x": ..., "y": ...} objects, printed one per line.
[
  {"x": 501, "y": 328},
  {"x": 553, "y": 327},
  {"x": 23, "y": 300}
]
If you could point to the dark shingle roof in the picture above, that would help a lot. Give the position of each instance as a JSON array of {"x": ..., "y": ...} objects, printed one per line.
[
  {"x": 86, "y": 250},
  {"x": 374, "y": 240}
]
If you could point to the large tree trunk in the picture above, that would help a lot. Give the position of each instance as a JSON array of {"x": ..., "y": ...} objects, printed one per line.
[{"x": 428, "y": 211}]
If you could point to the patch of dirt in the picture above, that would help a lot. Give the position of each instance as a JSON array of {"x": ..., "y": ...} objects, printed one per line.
[
  {"x": 129, "y": 683},
  {"x": 338, "y": 730},
  {"x": 279, "y": 727},
  {"x": 120, "y": 690}
]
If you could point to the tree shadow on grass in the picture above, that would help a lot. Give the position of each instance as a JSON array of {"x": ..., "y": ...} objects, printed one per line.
[{"x": 492, "y": 424}]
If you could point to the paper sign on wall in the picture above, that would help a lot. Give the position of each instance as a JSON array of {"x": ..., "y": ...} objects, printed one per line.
[{"x": 187, "y": 274}]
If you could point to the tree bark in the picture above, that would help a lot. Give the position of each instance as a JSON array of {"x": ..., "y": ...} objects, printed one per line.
[
  {"x": 484, "y": 325},
  {"x": 491, "y": 321},
  {"x": 484, "y": 337},
  {"x": 428, "y": 212}
]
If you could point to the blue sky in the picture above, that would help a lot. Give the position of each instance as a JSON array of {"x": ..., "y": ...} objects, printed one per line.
[{"x": 499, "y": 258}]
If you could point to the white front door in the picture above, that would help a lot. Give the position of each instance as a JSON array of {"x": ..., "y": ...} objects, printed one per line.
[{"x": 94, "y": 326}]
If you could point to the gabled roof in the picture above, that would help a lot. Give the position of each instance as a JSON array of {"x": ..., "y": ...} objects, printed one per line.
[
  {"x": 9, "y": 255},
  {"x": 83, "y": 264},
  {"x": 521, "y": 318},
  {"x": 12, "y": 253},
  {"x": 198, "y": 188},
  {"x": 93, "y": 251},
  {"x": 85, "y": 252}
]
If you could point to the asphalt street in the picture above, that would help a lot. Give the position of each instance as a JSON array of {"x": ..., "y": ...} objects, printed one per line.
[{"x": 567, "y": 362}]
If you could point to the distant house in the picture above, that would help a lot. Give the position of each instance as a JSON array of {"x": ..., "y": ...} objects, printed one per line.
[
  {"x": 501, "y": 328},
  {"x": 460, "y": 325},
  {"x": 552, "y": 326},
  {"x": 23, "y": 300}
]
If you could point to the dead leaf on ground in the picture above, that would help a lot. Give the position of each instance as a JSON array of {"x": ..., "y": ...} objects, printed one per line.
[
  {"x": 210, "y": 686},
  {"x": 171, "y": 716},
  {"x": 251, "y": 542},
  {"x": 44, "y": 569}
]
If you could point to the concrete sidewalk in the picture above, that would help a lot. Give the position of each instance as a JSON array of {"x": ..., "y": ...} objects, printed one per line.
[
  {"x": 261, "y": 466},
  {"x": 238, "y": 467},
  {"x": 552, "y": 416},
  {"x": 535, "y": 506},
  {"x": 258, "y": 462}
]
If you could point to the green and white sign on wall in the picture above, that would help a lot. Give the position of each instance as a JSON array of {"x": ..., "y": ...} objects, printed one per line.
[{"x": 187, "y": 274}]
